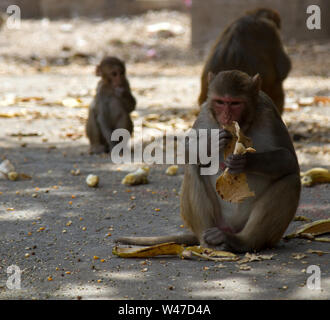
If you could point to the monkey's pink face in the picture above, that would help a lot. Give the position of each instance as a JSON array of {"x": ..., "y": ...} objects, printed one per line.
[{"x": 227, "y": 109}]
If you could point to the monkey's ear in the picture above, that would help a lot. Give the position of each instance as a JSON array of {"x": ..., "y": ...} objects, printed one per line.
[
  {"x": 210, "y": 77},
  {"x": 98, "y": 71},
  {"x": 256, "y": 82}
]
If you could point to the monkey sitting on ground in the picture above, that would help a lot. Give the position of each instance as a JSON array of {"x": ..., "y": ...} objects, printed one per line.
[
  {"x": 272, "y": 173},
  {"x": 111, "y": 106},
  {"x": 251, "y": 44}
]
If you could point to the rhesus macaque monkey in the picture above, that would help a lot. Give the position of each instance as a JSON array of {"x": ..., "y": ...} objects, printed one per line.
[
  {"x": 272, "y": 172},
  {"x": 251, "y": 44},
  {"x": 111, "y": 106}
]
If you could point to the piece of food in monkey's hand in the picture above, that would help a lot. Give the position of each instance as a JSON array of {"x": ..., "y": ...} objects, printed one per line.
[
  {"x": 238, "y": 136},
  {"x": 140, "y": 176},
  {"x": 234, "y": 187}
]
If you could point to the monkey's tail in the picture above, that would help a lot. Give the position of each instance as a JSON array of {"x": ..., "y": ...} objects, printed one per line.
[{"x": 187, "y": 238}]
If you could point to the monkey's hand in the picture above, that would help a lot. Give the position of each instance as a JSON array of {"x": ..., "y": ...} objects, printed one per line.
[
  {"x": 224, "y": 138},
  {"x": 213, "y": 236},
  {"x": 236, "y": 163}
]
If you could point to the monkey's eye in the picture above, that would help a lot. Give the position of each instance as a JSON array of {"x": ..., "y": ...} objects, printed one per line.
[
  {"x": 219, "y": 101},
  {"x": 236, "y": 103},
  {"x": 114, "y": 73}
]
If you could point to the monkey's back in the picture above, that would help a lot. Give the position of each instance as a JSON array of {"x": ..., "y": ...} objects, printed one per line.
[{"x": 246, "y": 45}]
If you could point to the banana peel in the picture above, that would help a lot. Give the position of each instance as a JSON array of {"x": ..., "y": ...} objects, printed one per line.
[
  {"x": 238, "y": 136},
  {"x": 7, "y": 171},
  {"x": 169, "y": 248},
  {"x": 234, "y": 187},
  {"x": 208, "y": 254},
  {"x": 310, "y": 230},
  {"x": 322, "y": 239},
  {"x": 314, "y": 176},
  {"x": 172, "y": 248}
]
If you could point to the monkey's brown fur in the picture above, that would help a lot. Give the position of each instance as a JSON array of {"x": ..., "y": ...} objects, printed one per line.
[
  {"x": 251, "y": 44},
  {"x": 111, "y": 106},
  {"x": 272, "y": 172}
]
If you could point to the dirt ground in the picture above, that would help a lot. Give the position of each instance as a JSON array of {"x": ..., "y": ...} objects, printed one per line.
[{"x": 53, "y": 226}]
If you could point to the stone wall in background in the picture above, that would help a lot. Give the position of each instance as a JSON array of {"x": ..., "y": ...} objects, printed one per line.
[
  {"x": 55, "y": 9},
  {"x": 209, "y": 17}
]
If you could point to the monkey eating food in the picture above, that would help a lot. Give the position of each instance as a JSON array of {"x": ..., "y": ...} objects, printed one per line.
[
  {"x": 272, "y": 172},
  {"x": 111, "y": 106},
  {"x": 234, "y": 188}
]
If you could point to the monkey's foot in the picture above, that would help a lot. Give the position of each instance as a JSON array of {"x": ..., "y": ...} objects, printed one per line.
[{"x": 213, "y": 236}]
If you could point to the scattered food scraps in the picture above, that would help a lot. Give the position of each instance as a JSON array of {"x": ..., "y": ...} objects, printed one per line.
[
  {"x": 92, "y": 180},
  {"x": 314, "y": 176},
  {"x": 140, "y": 176},
  {"x": 250, "y": 257},
  {"x": 172, "y": 170},
  {"x": 7, "y": 171}
]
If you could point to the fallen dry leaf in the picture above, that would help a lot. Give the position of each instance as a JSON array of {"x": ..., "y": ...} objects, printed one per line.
[
  {"x": 11, "y": 114},
  {"x": 27, "y": 134},
  {"x": 323, "y": 100},
  {"x": 298, "y": 256},
  {"x": 306, "y": 101},
  {"x": 244, "y": 267},
  {"x": 318, "y": 252},
  {"x": 74, "y": 103},
  {"x": 301, "y": 218},
  {"x": 250, "y": 257}
]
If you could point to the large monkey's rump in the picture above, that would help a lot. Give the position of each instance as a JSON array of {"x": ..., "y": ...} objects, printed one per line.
[{"x": 251, "y": 44}]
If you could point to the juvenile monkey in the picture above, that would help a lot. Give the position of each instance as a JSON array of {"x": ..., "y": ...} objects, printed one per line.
[
  {"x": 111, "y": 106},
  {"x": 272, "y": 172},
  {"x": 251, "y": 44}
]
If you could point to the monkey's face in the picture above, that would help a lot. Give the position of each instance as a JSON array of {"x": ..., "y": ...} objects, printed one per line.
[
  {"x": 227, "y": 109},
  {"x": 114, "y": 75}
]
